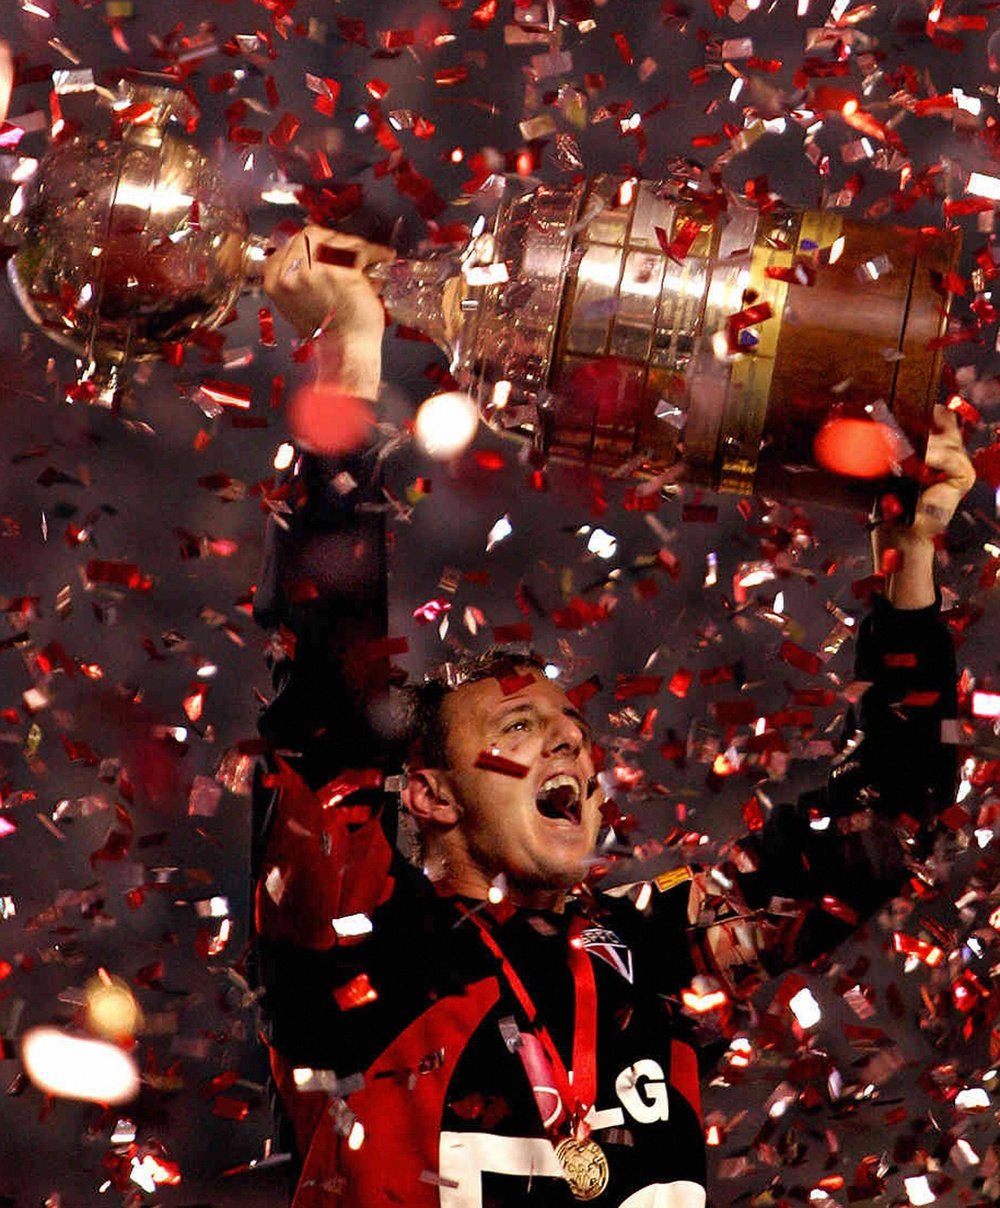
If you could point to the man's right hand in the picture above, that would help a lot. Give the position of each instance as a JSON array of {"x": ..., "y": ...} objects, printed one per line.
[{"x": 317, "y": 282}]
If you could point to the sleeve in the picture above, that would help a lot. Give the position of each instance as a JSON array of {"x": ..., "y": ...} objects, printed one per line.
[
  {"x": 819, "y": 867},
  {"x": 323, "y": 841}
]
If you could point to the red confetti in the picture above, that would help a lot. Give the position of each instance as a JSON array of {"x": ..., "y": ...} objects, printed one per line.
[
  {"x": 483, "y": 15},
  {"x": 680, "y": 682},
  {"x": 447, "y": 76},
  {"x": 579, "y": 694},
  {"x": 737, "y": 712},
  {"x": 839, "y": 910},
  {"x": 519, "y": 631},
  {"x": 227, "y": 1107},
  {"x": 226, "y": 394},
  {"x": 117, "y": 574},
  {"x": 339, "y": 257},
  {"x": 283, "y": 133},
  {"x": 490, "y": 762},
  {"x": 265, "y": 324},
  {"x": 509, "y": 684},
  {"x": 356, "y": 993},
  {"x": 623, "y": 48},
  {"x": 629, "y": 686},
  {"x": 802, "y": 660}
]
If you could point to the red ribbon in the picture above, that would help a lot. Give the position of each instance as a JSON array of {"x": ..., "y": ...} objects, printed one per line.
[{"x": 578, "y": 1092}]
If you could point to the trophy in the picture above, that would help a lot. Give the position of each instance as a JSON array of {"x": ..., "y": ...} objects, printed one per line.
[
  {"x": 129, "y": 242},
  {"x": 632, "y": 326}
]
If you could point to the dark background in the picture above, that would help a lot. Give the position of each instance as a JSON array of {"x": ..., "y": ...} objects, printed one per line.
[{"x": 133, "y": 482}]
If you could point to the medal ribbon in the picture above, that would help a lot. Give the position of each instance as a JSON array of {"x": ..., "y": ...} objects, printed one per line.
[{"x": 577, "y": 1096}]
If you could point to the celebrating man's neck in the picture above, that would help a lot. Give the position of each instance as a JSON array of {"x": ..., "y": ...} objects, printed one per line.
[{"x": 473, "y": 883}]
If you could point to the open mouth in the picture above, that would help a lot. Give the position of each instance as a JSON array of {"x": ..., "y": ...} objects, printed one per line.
[{"x": 559, "y": 798}]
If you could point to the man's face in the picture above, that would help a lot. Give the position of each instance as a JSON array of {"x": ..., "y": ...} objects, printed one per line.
[{"x": 537, "y": 829}]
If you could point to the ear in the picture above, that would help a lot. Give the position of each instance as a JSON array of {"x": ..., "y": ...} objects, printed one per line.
[{"x": 428, "y": 797}]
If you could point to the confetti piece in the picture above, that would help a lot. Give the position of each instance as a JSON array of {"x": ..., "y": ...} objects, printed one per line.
[{"x": 490, "y": 762}]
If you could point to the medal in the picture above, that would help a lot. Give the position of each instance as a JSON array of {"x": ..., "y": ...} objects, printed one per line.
[
  {"x": 583, "y": 1162},
  {"x": 585, "y": 1166}
]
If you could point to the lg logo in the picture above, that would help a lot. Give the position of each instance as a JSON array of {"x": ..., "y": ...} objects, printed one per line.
[{"x": 642, "y": 1090}]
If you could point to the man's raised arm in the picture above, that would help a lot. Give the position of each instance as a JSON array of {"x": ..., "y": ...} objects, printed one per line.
[
  {"x": 319, "y": 848},
  {"x": 799, "y": 886}
]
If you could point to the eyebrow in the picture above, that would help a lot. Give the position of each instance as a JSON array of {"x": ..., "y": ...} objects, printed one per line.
[{"x": 506, "y": 712}]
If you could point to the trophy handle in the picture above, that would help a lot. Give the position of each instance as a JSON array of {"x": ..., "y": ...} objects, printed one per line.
[{"x": 424, "y": 294}]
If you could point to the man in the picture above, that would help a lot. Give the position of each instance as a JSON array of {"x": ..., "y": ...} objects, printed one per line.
[{"x": 480, "y": 1033}]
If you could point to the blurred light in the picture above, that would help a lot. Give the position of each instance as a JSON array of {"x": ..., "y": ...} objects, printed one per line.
[
  {"x": 76, "y": 1067},
  {"x": 986, "y": 704},
  {"x": 754, "y": 578},
  {"x": 499, "y": 532},
  {"x": 356, "y": 1137},
  {"x": 142, "y": 1177},
  {"x": 740, "y": 1052},
  {"x": 626, "y": 191},
  {"x": 603, "y": 544},
  {"x": 551, "y": 671},
  {"x": 970, "y": 104},
  {"x": 501, "y": 394},
  {"x": 362, "y": 122},
  {"x": 644, "y": 896},
  {"x": 112, "y": 1011},
  {"x": 25, "y": 170},
  {"x": 918, "y": 1190},
  {"x": 486, "y": 274},
  {"x": 446, "y": 424},
  {"x": 123, "y": 1132},
  {"x": 856, "y": 448},
  {"x": 972, "y": 1099},
  {"x": 151, "y": 1171},
  {"x": 837, "y": 249},
  {"x": 350, "y": 926},
  {"x": 805, "y": 1008},
  {"x": 702, "y": 1004},
  {"x": 279, "y": 193},
  {"x": 983, "y": 186},
  {"x": 156, "y": 199}
]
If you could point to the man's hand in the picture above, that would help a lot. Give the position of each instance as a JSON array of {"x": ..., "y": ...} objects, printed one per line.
[
  {"x": 317, "y": 281},
  {"x": 912, "y": 584}
]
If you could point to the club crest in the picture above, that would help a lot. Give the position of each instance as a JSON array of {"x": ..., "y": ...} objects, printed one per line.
[{"x": 606, "y": 945}]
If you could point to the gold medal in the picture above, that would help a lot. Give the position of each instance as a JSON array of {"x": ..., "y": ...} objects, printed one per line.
[{"x": 584, "y": 1165}]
